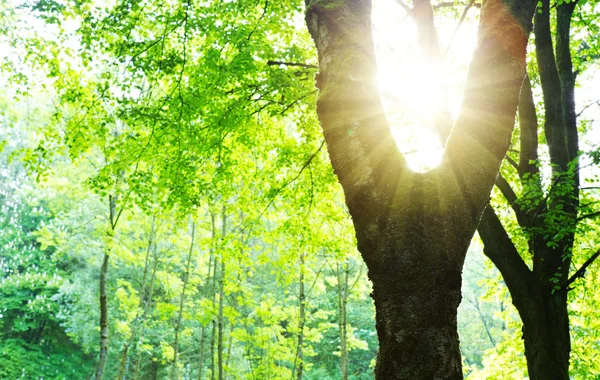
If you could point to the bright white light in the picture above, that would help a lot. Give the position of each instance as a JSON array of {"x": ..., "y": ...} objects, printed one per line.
[{"x": 414, "y": 90}]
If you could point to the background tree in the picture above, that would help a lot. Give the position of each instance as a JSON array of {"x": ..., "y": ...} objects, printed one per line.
[{"x": 537, "y": 263}]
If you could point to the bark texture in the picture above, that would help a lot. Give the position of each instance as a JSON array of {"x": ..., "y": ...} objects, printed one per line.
[
  {"x": 103, "y": 320},
  {"x": 112, "y": 219},
  {"x": 540, "y": 293},
  {"x": 413, "y": 229}
]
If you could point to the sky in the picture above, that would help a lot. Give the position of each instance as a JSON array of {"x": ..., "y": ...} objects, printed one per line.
[{"x": 412, "y": 88}]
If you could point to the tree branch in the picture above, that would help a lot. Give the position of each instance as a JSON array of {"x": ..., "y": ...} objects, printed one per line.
[
  {"x": 511, "y": 198},
  {"x": 588, "y": 216},
  {"x": 553, "y": 126},
  {"x": 511, "y": 161},
  {"x": 528, "y": 124},
  {"x": 404, "y": 6},
  {"x": 482, "y": 132},
  {"x": 564, "y": 13},
  {"x": 422, "y": 15},
  {"x": 500, "y": 249},
  {"x": 307, "y": 66},
  {"x": 597, "y": 103},
  {"x": 361, "y": 147},
  {"x": 447, "y": 4},
  {"x": 581, "y": 272},
  {"x": 462, "y": 19}
]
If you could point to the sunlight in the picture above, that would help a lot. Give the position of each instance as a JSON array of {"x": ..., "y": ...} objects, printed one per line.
[{"x": 414, "y": 90}]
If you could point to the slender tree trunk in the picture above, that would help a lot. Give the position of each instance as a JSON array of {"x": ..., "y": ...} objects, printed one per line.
[
  {"x": 175, "y": 369},
  {"x": 141, "y": 306},
  {"x": 112, "y": 204},
  {"x": 209, "y": 287},
  {"x": 301, "y": 320},
  {"x": 201, "y": 360},
  {"x": 147, "y": 305},
  {"x": 103, "y": 319},
  {"x": 221, "y": 298},
  {"x": 342, "y": 275},
  {"x": 213, "y": 332},
  {"x": 229, "y": 345}
]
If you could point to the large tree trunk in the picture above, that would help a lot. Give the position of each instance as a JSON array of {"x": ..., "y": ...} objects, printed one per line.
[
  {"x": 543, "y": 309},
  {"x": 546, "y": 337},
  {"x": 413, "y": 229}
]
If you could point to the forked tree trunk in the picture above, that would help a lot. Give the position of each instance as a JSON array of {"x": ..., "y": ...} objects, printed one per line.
[{"x": 413, "y": 229}]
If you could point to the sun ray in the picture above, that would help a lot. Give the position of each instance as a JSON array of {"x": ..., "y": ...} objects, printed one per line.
[{"x": 414, "y": 91}]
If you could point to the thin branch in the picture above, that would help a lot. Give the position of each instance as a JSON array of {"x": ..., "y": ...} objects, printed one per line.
[
  {"x": 447, "y": 4},
  {"x": 511, "y": 161},
  {"x": 511, "y": 198},
  {"x": 581, "y": 272},
  {"x": 298, "y": 64},
  {"x": 296, "y": 101},
  {"x": 462, "y": 19},
  {"x": 597, "y": 102},
  {"x": 404, "y": 5},
  {"x": 242, "y": 225},
  {"x": 588, "y": 216}
]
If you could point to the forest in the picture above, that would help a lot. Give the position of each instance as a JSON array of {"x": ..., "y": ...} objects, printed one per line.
[{"x": 288, "y": 189}]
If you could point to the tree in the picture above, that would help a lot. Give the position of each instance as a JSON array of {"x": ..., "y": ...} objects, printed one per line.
[
  {"x": 413, "y": 229},
  {"x": 550, "y": 217}
]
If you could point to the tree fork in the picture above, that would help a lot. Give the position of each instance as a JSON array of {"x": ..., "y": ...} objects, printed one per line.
[{"x": 413, "y": 229}]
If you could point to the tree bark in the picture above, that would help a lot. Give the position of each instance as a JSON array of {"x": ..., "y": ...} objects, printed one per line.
[
  {"x": 221, "y": 321},
  {"x": 127, "y": 345},
  {"x": 413, "y": 229},
  {"x": 209, "y": 287},
  {"x": 147, "y": 305},
  {"x": 213, "y": 332},
  {"x": 175, "y": 369},
  {"x": 103, "y": 320},
  {"x": 301, "y": 321},
  {"x": 112, "y": 219},
  {"x": 342, "y": 276}
]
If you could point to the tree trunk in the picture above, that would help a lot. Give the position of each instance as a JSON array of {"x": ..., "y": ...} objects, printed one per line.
[
  {"x": 413, "y": 229},
  {"x": 213, "y": 332},
  {"x": 141, "y": 305},
  {"x": 301, "y": 321},
  {"x": 103, "y": 320},
  {"x": 546, "y": 336},
  {"x": 147, "y": 304},
  {"x": 112, "y": 219},
  {"x": 342, "y": 319},
  {"x": 175, "y": 370},
  {"x": 201, "y": 360},
  {"x": 221, "y": 298}
]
